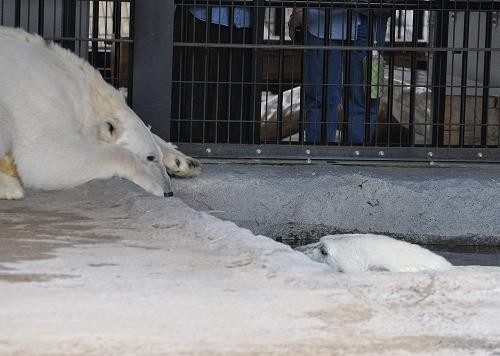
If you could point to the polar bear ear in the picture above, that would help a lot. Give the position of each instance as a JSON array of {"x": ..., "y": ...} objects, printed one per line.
[
  {"x": 108, "y": 131},
  {"x": 111, "y": 128}
]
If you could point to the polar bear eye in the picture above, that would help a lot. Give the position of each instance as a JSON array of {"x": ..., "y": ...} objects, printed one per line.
[
  {"x": 323, "y": 251},
  {"x": 151, "y": 158}
]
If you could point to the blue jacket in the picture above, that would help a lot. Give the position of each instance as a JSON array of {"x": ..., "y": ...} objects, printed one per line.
[{"x": 242, "y": 17}]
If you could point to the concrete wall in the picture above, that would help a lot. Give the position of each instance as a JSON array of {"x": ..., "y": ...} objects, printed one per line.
[{"x": 429, "y": 205}]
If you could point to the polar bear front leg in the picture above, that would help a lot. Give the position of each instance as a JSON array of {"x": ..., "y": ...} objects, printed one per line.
[{"x": 176, "y": 162}]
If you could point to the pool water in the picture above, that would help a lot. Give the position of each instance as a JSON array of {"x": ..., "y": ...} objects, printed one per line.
[
  {"x": 468, "y": 255},
  {"x": 457, "y": 255}
]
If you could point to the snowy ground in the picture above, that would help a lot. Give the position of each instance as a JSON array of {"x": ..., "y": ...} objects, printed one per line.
[{"x": 107, "y": 269}]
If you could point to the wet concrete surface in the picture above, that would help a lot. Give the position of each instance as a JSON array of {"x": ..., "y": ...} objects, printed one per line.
[{"x": 31, "y": 234}]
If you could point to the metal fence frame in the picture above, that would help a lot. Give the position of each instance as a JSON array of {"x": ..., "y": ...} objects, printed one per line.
[{"x": 428, "y": 153}]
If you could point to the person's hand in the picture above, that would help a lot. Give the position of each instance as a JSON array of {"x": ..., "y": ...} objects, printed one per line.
[{"x": 296, "y": 20}]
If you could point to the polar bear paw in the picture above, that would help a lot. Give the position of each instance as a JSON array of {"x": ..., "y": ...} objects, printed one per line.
[
  {"x": 10, "y": 188},
  {"x": 180, "y": 165}
]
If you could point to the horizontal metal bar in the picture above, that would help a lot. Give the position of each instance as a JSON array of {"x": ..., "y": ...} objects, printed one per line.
[
  {"x": 329, "y": 47},
  {"x": 91, "y": 39},
  {"x": 380, "y": 4},
  {"x": 428, "y": 86},
  {"x": 104, "y": 1},
  {"x": 341, "y": 153}
]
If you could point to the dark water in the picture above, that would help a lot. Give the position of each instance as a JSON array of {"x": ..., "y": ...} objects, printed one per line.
[
  {"x": 468, "y": 255},
  {"x": 457, "y": 255}
]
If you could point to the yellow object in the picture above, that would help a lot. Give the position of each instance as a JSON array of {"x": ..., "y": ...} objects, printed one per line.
[{"x": 8, "y": 166}]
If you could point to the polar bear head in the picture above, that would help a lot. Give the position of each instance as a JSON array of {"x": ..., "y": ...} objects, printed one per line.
[
  {"x": 369, "y": 252},
  {"x": 116, "y": 123},
  {"x": 323, "y": 252}
]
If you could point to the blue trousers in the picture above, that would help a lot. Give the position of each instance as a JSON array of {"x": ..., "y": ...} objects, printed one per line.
[{"x": 355, "y": 88}]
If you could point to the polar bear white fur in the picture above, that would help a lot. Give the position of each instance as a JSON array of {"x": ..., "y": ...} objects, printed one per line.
[
  {"x": 63, "y": 125},
  {"x": 368, "y": 252}
]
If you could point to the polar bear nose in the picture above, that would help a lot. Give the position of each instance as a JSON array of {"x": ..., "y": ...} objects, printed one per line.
[
  {"x": 193, "y": 164},
  {"x": 169, "y": 194}
]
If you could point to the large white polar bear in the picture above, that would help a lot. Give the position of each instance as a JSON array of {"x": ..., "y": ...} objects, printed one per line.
[
  {"x": 63, "y": 125},
  {"x": 369, "y": 252}
]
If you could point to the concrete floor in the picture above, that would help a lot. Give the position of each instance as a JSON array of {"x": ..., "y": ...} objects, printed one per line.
[{"x": 107, "y": 269}]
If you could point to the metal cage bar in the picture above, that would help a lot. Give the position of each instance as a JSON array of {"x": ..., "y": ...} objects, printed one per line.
[{"x": 419, "y": 101}]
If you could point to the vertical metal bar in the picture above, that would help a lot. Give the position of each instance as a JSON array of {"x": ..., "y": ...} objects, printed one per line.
[
  {"x": 390, "y": 82},
  {"x": 218, "y": 80},
  {"x": 402, "y": 36},
  {"x": 83, "y": 18},
  {"x": 28, "y": 16},
  {"x": 54, "y": 15},
  {"x": 281, "y": 65},
  {"x": 426, "y": 116},
  {"x": 206, "y": 63},
  {"x": 41, "y": 16},
  {"x": 182, "y": 63},
  {"x": 95, "y": 31},
  {"x": 107, "y": 47},
  {"x": 347, "y": 74},
  {"x": 267, "y": 90},
  {"x": 413, "y": 79},
  {"x": 303, "y": 75},
  {"x": 439, "y": 74},
  {"x": 230, "y": 75},
  {"x": 258, "y": 37},
  {"x": 191, "y": 87},
  {"x": 68, "y": 28},
  {"x": 463, "y": 84},
  {"x": 368, "y": 74},
  {"x": 17, "y": 13},
  {"x": 117, "y": 18},
  {"x": 476, "y": 85},
  {"x": 326, "y": 88},
  {"x": 244, "y": 118},
  {"x": 152, "y": 74},
  {"x": 486, "y": 76},
  {"x": 451, "y": 78}
]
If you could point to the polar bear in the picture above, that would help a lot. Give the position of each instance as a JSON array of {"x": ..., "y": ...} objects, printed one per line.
[
  {"x": 368, "y": 252},
  {"x": 63, "y": 125}
]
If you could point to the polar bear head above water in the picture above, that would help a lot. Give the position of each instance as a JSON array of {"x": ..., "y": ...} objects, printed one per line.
[{"x": 368, "y": 252}]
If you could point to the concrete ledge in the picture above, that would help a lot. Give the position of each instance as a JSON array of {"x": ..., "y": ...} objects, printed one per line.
[{"x": 429, "y": 205}]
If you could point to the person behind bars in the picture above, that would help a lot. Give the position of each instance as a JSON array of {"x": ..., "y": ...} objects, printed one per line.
[
  {"x": 212, "y": 95},
  {"x": 355, "y": 74}
]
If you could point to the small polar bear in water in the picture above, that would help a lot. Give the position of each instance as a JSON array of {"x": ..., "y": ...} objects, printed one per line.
[
  {"x": 62, "y": 125},
  {"x": 368, "y": 252}
]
